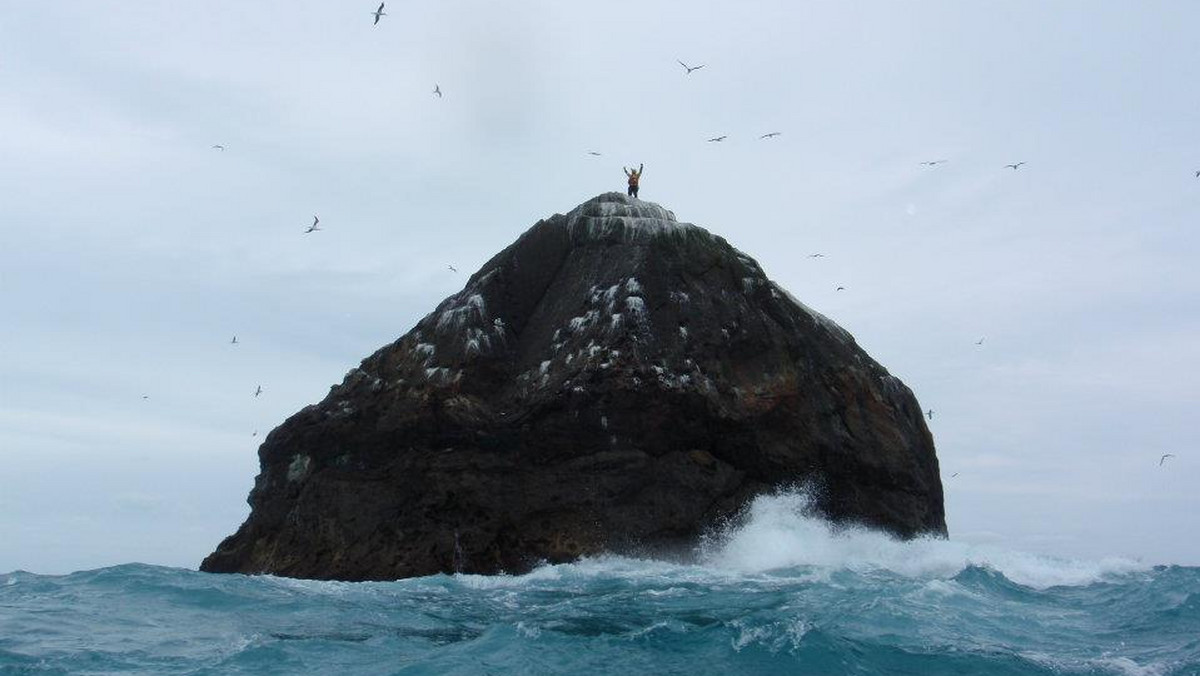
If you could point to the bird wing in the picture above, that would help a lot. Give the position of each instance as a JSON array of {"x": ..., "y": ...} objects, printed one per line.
[
  {"x": 380, "y": 7},
  {"x": 683, "y": 64}
]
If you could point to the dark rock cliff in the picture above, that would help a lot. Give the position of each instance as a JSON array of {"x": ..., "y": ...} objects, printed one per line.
[{"x": 613, "y": 380}]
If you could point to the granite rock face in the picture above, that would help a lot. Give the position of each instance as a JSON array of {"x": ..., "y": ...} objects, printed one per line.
[{"x": 613, "y": 381}]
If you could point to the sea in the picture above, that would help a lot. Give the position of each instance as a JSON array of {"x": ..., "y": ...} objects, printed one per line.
[{"x": 775, "y": 591}]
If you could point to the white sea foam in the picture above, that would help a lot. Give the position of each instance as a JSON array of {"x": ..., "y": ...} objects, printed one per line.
[
  {"x": 777, "y": 531},
  {"x": 528, "y": 630},
  {"x": 777, "y": 534},
  {"x": 774, "y": 636},
  {"x": 1121, "y": 666}
]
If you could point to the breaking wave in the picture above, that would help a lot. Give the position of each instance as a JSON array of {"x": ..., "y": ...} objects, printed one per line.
[{"x": 779, "y": 531}]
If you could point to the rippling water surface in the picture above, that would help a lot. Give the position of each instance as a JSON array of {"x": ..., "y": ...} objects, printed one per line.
[{"x": 777, "y": 593}]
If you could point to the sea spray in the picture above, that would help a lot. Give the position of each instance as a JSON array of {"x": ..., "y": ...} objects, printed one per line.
[{"x": 780, "y": 531}]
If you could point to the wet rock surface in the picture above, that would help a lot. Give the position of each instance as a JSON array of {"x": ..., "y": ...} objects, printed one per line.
[{"x": 613, "y": 381}]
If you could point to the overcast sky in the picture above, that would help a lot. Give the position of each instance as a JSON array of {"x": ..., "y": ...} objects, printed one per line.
[{"x": 131, "y": 251}]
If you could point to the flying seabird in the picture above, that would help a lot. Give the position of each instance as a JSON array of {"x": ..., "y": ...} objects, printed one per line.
[
  {"x": 1164, "y": 458},
  {"x": 979, "y": 342},
  {"x": 933, "y": 163},
  {"x": 258, "y": 390},
  {"x": 145, "y": 396},
  {"x": 452, "y": 268},
  {"x": 1198, "y": 173},
  {"x": 437, "y": 90},
  {"x": 717, "y": 139},
  {"x": 1014, "y": 167},
  {"x": 593, "y": 153},
  {"x": 954, "y": 475},
  {"x": 219, "y": 147},
  {"x": 929, "y": 413},
  {"x": 841, "y": 288},
  {"x": 379, "y": 13},
  {"x": 771, "y": 135},
  {"x": 816, "y": 255},
  {"x": 690, "y": 68},
  {"x": 234, "y": 341},
  {"x": 313, "y": 227}
]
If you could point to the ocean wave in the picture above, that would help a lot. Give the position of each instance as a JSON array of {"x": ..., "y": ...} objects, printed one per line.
[
  {"x": 779, "y": 531},
  {"x": 775, "y": 590},
  {"x": 779, "y": 535},
  {"x": 609, "y": 615}
]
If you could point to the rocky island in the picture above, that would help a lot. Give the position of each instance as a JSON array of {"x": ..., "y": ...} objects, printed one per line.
[{"x": 613, "y": 381}]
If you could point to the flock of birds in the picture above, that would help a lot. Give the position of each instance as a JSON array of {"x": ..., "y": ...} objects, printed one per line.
[
  {"x": 379, "y": 13},
  {"x": 933, "y": 163}
]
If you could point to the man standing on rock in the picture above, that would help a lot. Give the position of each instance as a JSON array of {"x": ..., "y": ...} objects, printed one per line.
[{"x": 634, "y": 177}]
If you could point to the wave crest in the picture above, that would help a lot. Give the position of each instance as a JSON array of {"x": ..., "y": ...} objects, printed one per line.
[{"x": 780, "y": 531}]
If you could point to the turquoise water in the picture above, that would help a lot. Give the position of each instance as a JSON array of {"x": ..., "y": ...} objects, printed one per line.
[{"x": 779, "y": 593}]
